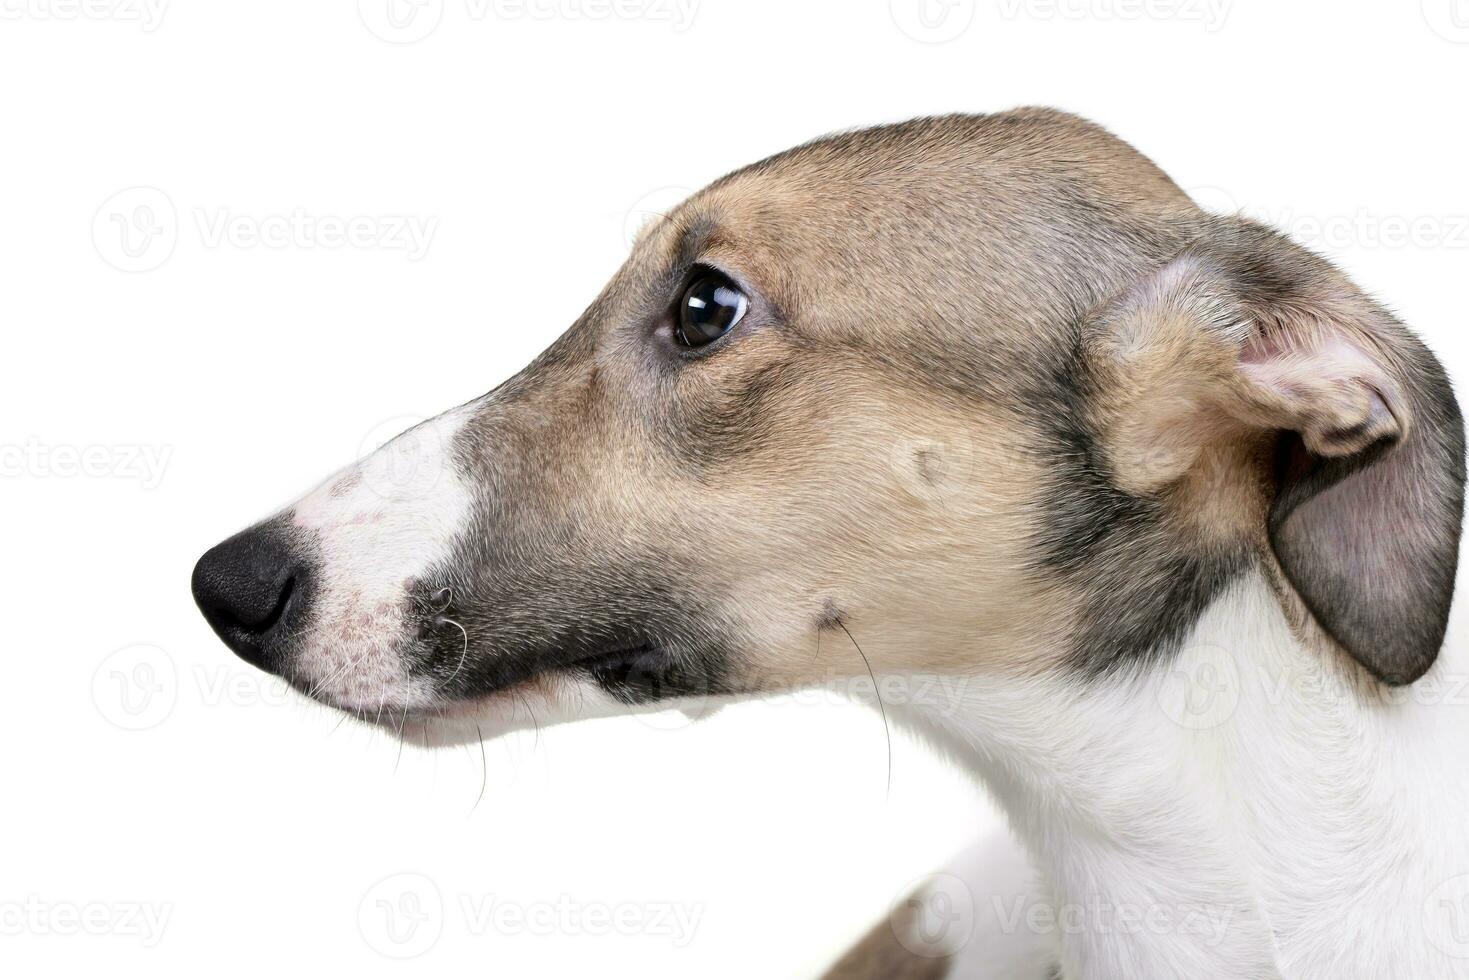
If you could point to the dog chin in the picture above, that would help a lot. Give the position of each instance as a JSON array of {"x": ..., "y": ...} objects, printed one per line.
[{"x": 538, "y": 704}]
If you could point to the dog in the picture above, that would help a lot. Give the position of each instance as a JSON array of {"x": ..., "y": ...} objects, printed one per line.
[{"x": 978, "y": 398}]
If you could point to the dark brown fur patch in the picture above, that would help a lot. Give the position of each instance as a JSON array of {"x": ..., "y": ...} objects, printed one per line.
[{"x": 880, "y": 955}]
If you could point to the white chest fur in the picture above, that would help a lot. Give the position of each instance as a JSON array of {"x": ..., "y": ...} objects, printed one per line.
[{"x": 1245, "y": 811}]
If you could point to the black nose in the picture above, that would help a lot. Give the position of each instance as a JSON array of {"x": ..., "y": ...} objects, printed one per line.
[{"x": 251, "y": 588}]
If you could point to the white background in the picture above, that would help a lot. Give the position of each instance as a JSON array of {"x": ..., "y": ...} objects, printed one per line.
[{"x": 145, "y": 414}]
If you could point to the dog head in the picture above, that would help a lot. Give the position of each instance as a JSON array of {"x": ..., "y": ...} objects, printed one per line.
[{"x": 960, "y": 395}]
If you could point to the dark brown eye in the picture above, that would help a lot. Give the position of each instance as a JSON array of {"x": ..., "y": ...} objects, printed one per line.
[{"x": 710, "y": 308}]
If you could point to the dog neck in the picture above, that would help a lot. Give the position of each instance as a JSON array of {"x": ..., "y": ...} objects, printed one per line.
[{"x": 1238, "y": 810}]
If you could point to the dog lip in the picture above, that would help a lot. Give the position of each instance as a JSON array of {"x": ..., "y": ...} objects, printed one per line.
[
  {"x": 614, "y": 655},
  {"x": 614, "y": 662},
  {"x": 627, "y": 669}
]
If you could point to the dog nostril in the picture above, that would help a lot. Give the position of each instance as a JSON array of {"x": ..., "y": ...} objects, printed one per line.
[
  {"x": 234, "y": 617},
  {"x": 247, "y": 587}
]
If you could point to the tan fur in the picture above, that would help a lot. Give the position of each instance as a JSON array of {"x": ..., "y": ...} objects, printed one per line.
[
  {"x": 868, "y": 451},
  {"x": 1004, "y": 403},
  {"x": 952, "y": 561},
  {"x": 881, "y": 955}
]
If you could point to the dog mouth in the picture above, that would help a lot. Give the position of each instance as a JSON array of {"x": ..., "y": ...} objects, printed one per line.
[
  {"x": 628, "y": 669},
  {"x": 632, "y": 670},
  {"x": 452, "y": 662}
]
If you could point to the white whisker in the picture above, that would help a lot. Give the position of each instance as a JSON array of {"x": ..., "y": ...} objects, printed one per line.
[{"x": 462, "y": 653}]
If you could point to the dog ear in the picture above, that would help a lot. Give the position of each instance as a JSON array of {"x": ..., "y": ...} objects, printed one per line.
[{"x": 1252, "y": 336}]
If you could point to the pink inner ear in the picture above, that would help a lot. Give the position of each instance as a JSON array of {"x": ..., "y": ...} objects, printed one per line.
[
  {"x": 1366, "y": 519},
  {"x": 1332, "y": 392}
]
